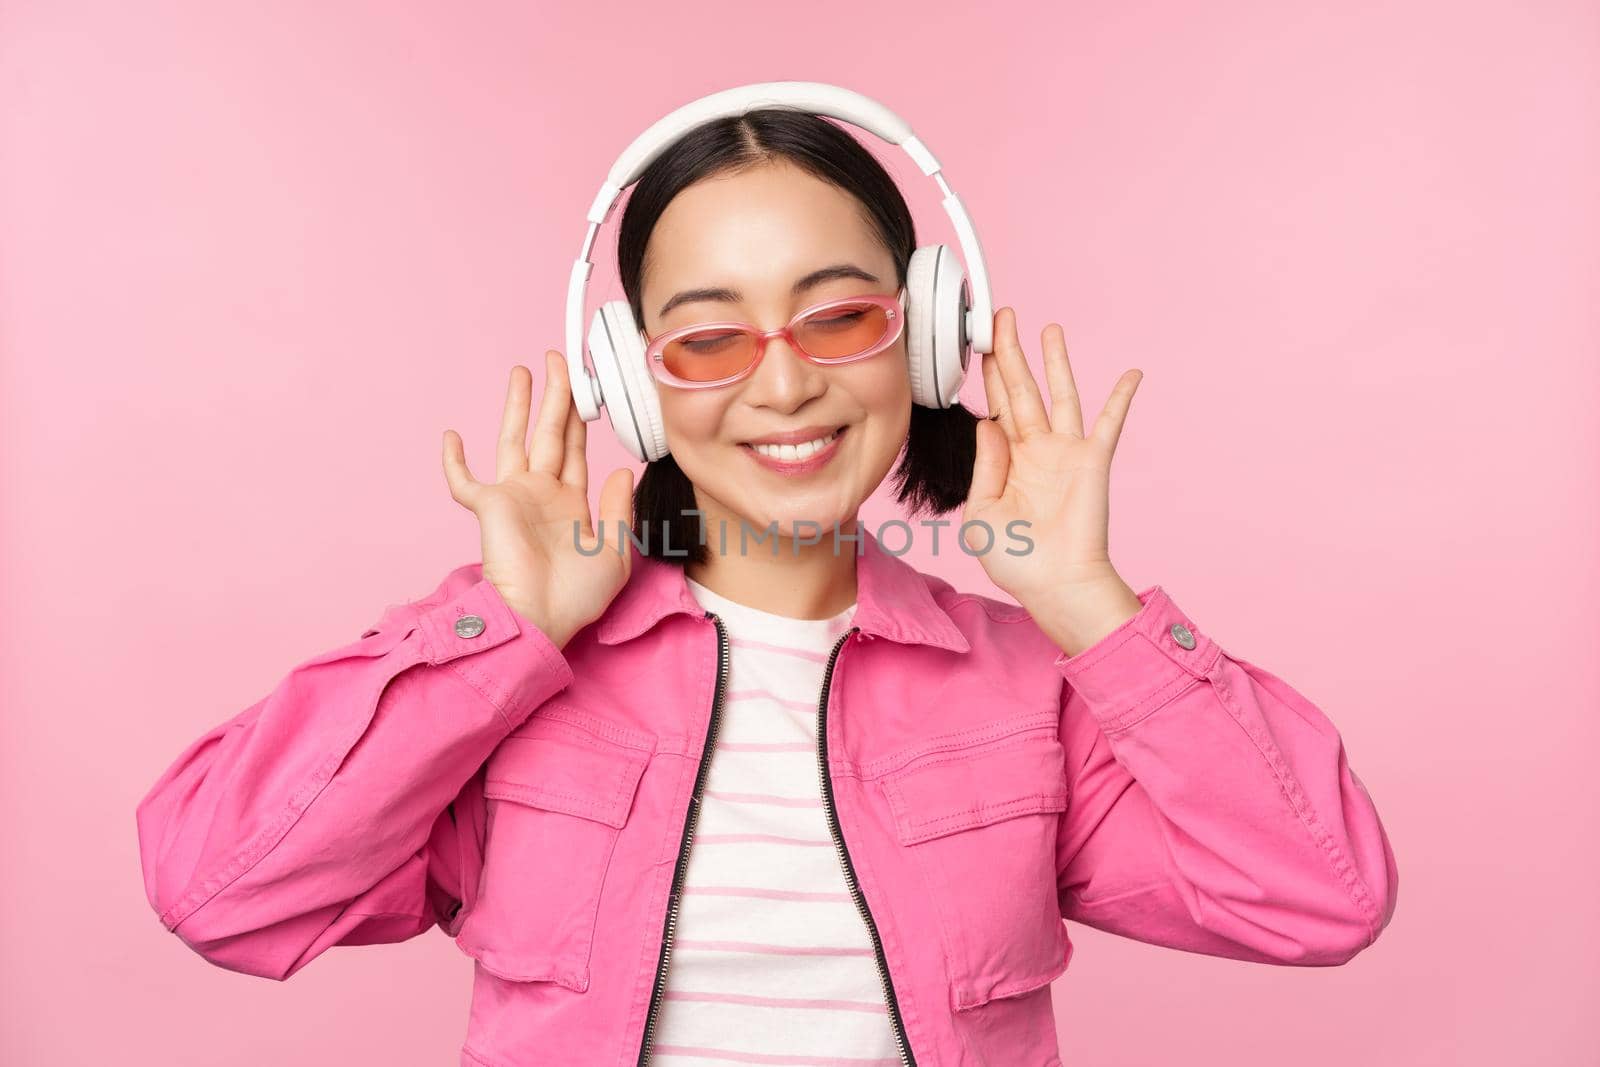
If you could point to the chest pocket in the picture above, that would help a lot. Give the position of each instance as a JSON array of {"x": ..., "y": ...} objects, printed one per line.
[
  {"x": 557, "y": 794},
  {"x": 980, "y": 822}
]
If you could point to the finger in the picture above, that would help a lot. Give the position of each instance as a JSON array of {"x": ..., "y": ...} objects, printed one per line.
[
  {"x": 464, "y": 488},
  {"x": 1108, "y": 427},
  {"x": 575, "y": 466},
  {"x": 549, "y": 433},
  {"x": 511, "y": 449},
  {"x": 989, "y": 466},
  {"x": 1022, "y": 391},
  {"x": 994, "y": 392},
  {"x": 1066, "y": 415}
]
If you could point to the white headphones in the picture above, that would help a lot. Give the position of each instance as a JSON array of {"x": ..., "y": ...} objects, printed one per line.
[{"x": 945, "y": 320}]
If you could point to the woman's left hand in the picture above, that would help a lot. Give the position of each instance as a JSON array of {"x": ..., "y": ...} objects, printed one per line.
[{"x": 1038, "y": 467}]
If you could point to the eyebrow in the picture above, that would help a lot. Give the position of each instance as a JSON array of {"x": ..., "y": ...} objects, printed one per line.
[{"x": 810, "y": 281}]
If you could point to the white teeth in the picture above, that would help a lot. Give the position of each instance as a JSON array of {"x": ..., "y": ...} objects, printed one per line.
[{"x": 795, "y": 453}]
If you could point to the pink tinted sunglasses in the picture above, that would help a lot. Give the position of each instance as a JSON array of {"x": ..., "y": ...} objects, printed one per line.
[{"x": 709, "y": 354}]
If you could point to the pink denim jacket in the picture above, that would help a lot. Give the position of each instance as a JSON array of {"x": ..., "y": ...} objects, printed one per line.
[{"x": 452, "y": 767}]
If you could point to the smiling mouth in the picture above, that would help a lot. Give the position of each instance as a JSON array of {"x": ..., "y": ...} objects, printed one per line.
[{"x": 795, "y": 453}]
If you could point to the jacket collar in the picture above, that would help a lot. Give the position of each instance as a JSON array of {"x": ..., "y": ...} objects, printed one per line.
[{"x": 892, "y": 600}]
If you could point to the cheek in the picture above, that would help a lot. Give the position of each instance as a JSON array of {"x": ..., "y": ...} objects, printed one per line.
[
  {"x": 885, "y": 392},
  {"x": 693, "y": 418}
]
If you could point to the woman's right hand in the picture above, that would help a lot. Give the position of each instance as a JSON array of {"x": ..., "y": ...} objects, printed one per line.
[{"x": 527, "y": 516}]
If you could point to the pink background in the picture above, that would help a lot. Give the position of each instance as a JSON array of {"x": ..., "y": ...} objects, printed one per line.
[{"x": 255, "y": 258}]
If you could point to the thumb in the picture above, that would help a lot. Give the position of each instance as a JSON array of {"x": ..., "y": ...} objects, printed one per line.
[
  {"x": 990, "y": 465},
  {"x": 616, "y": 505}
]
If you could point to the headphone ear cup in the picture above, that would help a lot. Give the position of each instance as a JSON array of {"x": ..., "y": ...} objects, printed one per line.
[
  {"x": 936, "y": 342},
  {"x": 627, "y": 387}
]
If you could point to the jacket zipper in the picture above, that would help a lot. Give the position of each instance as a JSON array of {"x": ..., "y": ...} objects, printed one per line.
[
  {"x": 900, "y": 1038},
  {"x": 689, "y": 821}
]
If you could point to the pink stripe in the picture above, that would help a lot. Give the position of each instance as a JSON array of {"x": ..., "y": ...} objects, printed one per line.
[
  {"x": 772, "y": 950},
  {"x": 757, "y": 839},
  {"x": 769, "y": 894},
  {"x": 758, "y": 1057},
  {"x": 765, "y": 798},
  {"x": 803, "y": 653},
  {"x": 767, "y": 694},
  {"x": 782, "y": 1002},
  {"x": 775, "y": 746}
]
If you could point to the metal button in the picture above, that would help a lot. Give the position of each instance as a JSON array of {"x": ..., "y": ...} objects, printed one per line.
[
  {"x": 469, "y": 626},
  {"x": 1181, "y": 634}
]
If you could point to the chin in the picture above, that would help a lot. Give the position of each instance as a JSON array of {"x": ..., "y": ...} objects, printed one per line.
[
  {"x": 817, "y": 525},
  {"x": 790, "y": 521}
]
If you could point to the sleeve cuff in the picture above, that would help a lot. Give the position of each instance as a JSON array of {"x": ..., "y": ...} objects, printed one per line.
[
  {"x": 1142, "y": 664},
  {"x": 505, "y": 657}
]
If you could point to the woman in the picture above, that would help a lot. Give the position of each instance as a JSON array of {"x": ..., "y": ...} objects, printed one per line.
[{"x": 737, "y": 796}]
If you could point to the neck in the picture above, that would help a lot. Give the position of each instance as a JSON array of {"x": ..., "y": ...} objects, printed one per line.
[{"x": 779, "y": 574}]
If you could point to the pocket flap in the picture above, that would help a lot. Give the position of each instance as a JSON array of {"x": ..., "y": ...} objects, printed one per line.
[
  {"x": 568, "y": 770},
  {"x": 964, "y": 789}
]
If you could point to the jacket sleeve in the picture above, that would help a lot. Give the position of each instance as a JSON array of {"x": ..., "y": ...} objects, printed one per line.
[
  {"x": 345, "y": 807},
  {"x": 1211, "y": 806}
]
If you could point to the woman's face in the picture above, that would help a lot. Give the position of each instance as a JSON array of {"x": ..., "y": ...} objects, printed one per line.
[{"x": 757, "y": 233}]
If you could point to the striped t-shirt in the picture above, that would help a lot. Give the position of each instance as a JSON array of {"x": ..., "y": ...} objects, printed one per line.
[{"x": 771, "y": 962}]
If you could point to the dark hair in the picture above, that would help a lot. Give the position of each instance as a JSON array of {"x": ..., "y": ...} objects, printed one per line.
[{"x": 935, "y": 470}]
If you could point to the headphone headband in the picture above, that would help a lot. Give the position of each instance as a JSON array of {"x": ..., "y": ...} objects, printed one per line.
[{"x": 813, "y": 97}]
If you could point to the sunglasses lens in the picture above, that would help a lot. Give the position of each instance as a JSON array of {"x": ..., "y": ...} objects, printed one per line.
[
  {"x": 717, "y": 353},
  {"x": 843, "y": 330},
  {"x": 710, "y": 355}
]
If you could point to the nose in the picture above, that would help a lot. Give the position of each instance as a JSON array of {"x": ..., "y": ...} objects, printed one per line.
[{"x": 784, "y": 379}]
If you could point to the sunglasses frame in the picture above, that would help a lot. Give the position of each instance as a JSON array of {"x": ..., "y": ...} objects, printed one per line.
[{"x": 895, "y": 306}]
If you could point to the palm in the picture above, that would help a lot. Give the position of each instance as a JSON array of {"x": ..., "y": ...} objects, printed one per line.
[
  {"x": 534, "y": 518},
  {"x": 1040, "y": 468},
  {"x": 527, "y": 536},
  {"x": 1054, "y": 482}
]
